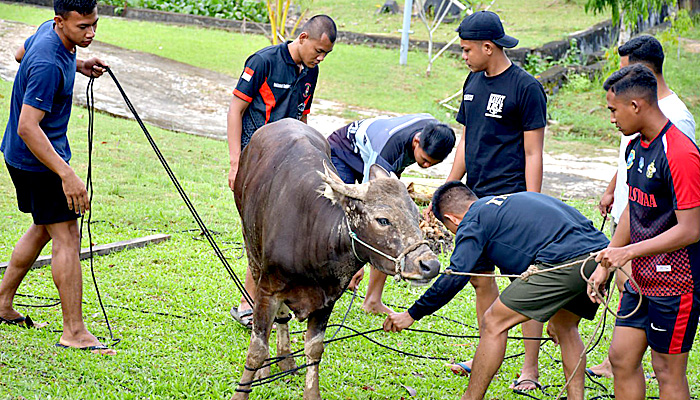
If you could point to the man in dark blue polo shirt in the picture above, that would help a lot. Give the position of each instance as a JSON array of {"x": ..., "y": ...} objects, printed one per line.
[
  {"x": 515, "y": 231},
  {"x": 277, "y": 82},
  {"x": 37, "y": 156}
]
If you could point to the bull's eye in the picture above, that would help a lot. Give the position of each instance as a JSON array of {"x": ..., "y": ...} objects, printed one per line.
[{"x": 383, "y": 221}]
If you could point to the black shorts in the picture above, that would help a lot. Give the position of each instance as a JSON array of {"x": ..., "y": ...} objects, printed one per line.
[
  {"x": 670, "y": 322},
  {"x": 41, "y": 194}
]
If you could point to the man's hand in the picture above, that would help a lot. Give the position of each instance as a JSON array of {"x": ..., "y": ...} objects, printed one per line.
[
  {"x": 93, "y": 67},
  {"x": 597, "y": 280},
  {"x": 396, "y": 322},
  {"x": 605, "y": 204},
  {"x": 232, "y": 175},
  {"x": 76, "y": 194},
  {"x": 356, "y": 279},
  {"x": 615, "y": 257}
]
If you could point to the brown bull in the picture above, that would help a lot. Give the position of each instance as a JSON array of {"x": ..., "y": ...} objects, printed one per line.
[{"x": 298, "y": 218}]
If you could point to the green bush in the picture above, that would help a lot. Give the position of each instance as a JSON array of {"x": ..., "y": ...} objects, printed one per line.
[{"x": 255, "y": 10}]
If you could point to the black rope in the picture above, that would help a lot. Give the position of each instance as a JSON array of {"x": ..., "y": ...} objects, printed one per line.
[
  {"x": 90, "y": 188},
  {"x": 181, "y": 191}
]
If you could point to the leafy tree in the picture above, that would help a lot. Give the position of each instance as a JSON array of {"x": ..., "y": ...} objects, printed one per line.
[{"x": 626, "y": 11}]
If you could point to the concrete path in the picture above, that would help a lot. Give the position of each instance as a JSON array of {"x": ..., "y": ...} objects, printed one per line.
[{"x": 188, "y": 99}]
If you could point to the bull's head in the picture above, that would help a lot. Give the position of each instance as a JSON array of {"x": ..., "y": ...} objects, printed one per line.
[{"x": 382, "y": 215}]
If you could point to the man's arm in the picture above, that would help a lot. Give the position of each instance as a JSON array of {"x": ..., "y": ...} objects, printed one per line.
[
  {"x": 38, "y": 143},
  {"x": 234, "y": 130},
  {"x": 685, "y": 233},
  {"x": 459, "y": 167},
  {"x": 533, "y": 142},
  {"x": 608, "y": 198},
  {"x": 19, "y": 54}
]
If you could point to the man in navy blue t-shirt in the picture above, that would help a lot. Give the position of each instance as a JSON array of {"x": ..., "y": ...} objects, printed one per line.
[
  {"x": 515, "y": 231},
  {"x": 504, "y": 113},
  {"x": 37, "y": 153}
]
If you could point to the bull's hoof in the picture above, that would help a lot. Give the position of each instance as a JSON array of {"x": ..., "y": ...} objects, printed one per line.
[
  {"x": 288, "y": 364},
  {"x": 240, "y": 396},
  {"x": 262, "y": 373}
]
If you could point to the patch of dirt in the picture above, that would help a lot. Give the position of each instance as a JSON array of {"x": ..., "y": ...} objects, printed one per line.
[
  {"x": 691, "y": 45},
  {"x": 184, "y": 98}
]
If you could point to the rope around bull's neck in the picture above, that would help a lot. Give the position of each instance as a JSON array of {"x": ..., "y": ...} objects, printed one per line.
[{"x": 399, "y": 261}]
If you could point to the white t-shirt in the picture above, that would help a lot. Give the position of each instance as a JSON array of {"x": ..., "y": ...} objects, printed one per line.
[{"x": 675, "y": 110}]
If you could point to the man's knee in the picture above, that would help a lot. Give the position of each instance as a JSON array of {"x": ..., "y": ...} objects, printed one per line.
[
  {"x": 65, "y": 234},
  {"x": 484, "y": 284}
]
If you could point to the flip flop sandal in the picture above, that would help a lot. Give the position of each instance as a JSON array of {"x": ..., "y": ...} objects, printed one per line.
[
  {"x": 592, "y": 374},
  {"x": 466, "y": 370},
  {"x": 24, "y": 322},
  {"x": 517, "y": 382},
  {"x": 86, "y": 348},
  {"x": 244, "y": 318}
]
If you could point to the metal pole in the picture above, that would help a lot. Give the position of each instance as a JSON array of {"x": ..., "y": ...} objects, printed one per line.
[{"x": 407, "y": 10}]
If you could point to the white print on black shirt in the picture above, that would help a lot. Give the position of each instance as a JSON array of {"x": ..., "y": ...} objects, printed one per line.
[
  {"x": 495, "y": 105},
  {"x": 468, "y": 97}
]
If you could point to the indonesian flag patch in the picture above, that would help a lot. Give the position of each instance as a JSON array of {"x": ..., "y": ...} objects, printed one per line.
[{"x": 247, "y": 74}]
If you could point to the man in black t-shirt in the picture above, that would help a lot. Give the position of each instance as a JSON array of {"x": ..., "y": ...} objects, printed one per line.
[
  {"x": 504, "y": 114},
  {"x": 277, "y": 82},
  {"x": 515, "y": 231}
]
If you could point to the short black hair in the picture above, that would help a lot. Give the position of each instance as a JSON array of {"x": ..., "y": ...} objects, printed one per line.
[
  {"x": 317, "y": 25},
  {"x": 644, "y": 49},
  {"x": 82, "y": 7},
  {"x": 437, "y": 140},
  {"x": 634, "y": 80},
  {"x": 452, "y": 197}
]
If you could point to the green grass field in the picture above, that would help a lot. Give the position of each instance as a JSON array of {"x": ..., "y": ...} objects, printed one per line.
[{"x": 201, "y": 356}]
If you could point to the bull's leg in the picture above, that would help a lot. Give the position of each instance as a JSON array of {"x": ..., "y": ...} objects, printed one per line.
[
  {"x": 258, "y": 350},
  {"x": 313, "y": 348},
  {"x": 283, "y": 343}
]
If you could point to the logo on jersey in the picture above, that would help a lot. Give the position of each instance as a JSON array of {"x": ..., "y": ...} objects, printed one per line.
[
  {"x": 651, "y": 169},
  {"x": 641, "y": 164},
  {"x": 498, "y": 200},
  {"x": 495, "y": 106},
  {"x": 630, "y": 160},
  {"x": 281, "y": 85},
  {"x": 307, "y": 90},
  {"x": 640, "y": 197},
  {"x": 468, "y": 97}
]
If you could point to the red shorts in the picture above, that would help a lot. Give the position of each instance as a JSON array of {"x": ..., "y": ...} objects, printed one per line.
[{"x": 670, "y": 322}]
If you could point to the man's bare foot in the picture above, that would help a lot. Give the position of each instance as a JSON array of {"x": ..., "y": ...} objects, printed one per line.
[
  {"x": 461, "y": 368},
  {"x": 373, "y": 307},
  {"x": 528, "y": 380},
  {"x": 603, "y": 369},
  {"x": 86, "y": 341}
]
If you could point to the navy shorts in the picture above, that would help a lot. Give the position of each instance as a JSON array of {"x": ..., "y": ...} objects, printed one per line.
[
  {"x": 41, "y": 194},
  {"x": 670, "y": 322}
]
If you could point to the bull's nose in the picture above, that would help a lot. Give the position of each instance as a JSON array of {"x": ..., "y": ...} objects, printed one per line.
[{"x": 430, "y": 268}]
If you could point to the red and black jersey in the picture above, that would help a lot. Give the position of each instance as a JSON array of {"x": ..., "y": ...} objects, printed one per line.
[
  {"x": 275, "y": 88},
  {"x": 663, "y": 176}
]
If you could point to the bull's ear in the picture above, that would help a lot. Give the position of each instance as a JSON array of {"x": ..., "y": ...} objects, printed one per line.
[
  {"x": 337, "y": 191},
  {"x": 377, "y": 171}
]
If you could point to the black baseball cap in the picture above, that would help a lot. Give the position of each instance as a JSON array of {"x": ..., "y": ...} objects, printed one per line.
[{"x": 485, "y": 25}]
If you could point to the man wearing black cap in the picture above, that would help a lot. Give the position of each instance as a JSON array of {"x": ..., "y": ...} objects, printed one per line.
[{"x": 504, "y": 114}]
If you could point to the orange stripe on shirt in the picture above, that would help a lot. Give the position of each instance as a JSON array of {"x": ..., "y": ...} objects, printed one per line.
[
  {"x": 249, "y": 71},
  {"x": 268, "y": 98},
  {"x": 242, "y": 95}
]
